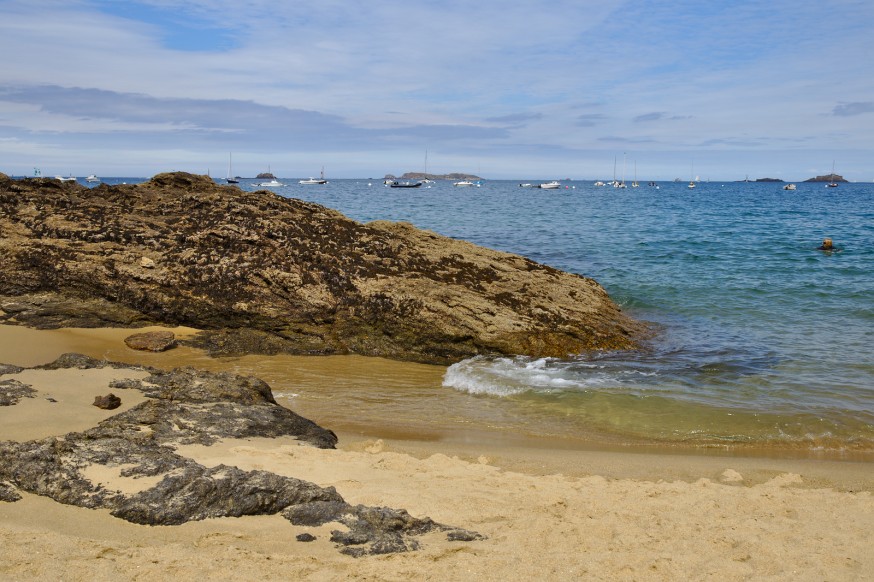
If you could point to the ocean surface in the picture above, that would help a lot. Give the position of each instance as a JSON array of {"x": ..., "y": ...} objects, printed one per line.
[{"x": 762, "y": 341}]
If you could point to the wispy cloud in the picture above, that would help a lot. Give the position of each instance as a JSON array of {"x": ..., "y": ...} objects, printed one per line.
[
  {"x": 590, "y": 119},
  {"x": 850, "y": 109},
  {"x": 654, "y": 116}
]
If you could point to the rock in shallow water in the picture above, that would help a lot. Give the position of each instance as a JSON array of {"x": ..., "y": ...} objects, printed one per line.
[{"x": 151, "y": 341}]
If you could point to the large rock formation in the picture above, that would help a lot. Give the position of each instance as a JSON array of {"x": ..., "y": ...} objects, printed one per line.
[{"x": 272, "y": 274}]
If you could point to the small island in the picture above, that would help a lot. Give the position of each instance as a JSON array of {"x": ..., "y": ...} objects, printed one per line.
[
  {"x": 828, "y": 178},
  {"x": 426, "y": 176},
  {"x": 265, "y": 176}
]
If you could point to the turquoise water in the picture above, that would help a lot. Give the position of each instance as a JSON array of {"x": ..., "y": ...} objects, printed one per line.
[{"x": 762, "y": 340}]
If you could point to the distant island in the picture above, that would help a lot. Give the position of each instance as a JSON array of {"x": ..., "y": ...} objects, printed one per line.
[
  {"x": 266, "y": 175},
  {"x": 828, "y": 178},
  {"x": 768, "y": 180},
  {"x": 425, "y": 176}
]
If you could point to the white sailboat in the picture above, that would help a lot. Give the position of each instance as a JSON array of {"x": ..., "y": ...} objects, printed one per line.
[
  {"x": 230, "y": 179},
  {"x": 691, "y": 177},
  {"x": 833, "y": 183},
  {"x": 635, "y": 184}
]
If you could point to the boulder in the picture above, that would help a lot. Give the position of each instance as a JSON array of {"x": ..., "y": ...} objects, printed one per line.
[
  {"x": 151, "y": 341},
  {"x": 108, "y": 402}
]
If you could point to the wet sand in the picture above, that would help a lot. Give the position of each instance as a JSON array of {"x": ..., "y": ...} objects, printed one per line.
[{"x": 550, "y": 509}]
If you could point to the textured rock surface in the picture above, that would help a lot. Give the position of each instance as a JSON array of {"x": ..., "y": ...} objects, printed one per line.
[
  {"x": 303, "y": 278},
  {"x": 186, "y": 406},
  {"x": 151, "y": 341}
]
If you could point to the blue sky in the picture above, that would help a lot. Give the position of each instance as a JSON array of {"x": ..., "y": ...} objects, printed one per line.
[{"x": 523, "y": 89}]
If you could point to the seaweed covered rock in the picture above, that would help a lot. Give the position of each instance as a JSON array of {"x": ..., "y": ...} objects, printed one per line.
[{"x": 273, "y": 274}]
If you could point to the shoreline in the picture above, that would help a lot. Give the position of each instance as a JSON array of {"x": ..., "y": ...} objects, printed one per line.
[
  {"x": 289, "y": 375},
  {"x": 545, "y": 510}
]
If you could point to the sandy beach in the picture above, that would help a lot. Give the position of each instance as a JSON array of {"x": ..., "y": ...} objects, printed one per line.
[{"x": 547, "y": 511}]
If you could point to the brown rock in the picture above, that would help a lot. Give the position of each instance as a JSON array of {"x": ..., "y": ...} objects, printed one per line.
[
  {"x": 151, "y": 341},
  {"x": 108, "y": 402},
  {"x": 307, "y": 279}
]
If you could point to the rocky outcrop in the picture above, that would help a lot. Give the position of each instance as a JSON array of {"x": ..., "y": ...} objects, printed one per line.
[
  {"x": 264, "y": 272},
  {"x": 12, "y": 391},
  {"x": 184, "y": 407}
]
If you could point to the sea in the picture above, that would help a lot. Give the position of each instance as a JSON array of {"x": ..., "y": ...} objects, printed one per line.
[{"x": 762, "y": 343}]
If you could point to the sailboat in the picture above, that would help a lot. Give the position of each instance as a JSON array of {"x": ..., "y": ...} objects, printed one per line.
[
  {"x": 691, "y": 178},
  {"x": 320, "y": 180},
  {"x": 635, "y": 184},
  {"x": 426, "y": 179},
  {"x": 833, "y": 183},
  {"x": 230, "y": 179}
]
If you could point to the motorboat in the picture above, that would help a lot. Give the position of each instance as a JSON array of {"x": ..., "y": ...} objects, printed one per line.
[
  {"x": 526, "y": 185},
  {"x": 319, "y": 180},
  {"x": 396, "y": 184},
  {"x": 67, "y": 179},
  {"x": 464, "y": 183},
  {"x": 270, "y": 184},
  {"x": 550, "y": 185},
  {"x": 789, "y": 187},
  {"x": 92, "y": 178},
  {"x": 599, "y": 183}
]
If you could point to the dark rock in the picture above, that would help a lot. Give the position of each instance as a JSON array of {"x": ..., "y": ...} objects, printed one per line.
[
  {"x": 305, "y": 278},
  {"x": 186, "y": 406},
  {"x": 151, "y": 341},
  {"x": 305, "y": 537},
  {"x": 9, "y": 369},
  {"x": 12, "y": 391},
  {"x": 8, "y": 492},
  {"x": 371, "y": 530},
  {"x": 108, "y": 402},
  {"x": 222, "y": 491}
]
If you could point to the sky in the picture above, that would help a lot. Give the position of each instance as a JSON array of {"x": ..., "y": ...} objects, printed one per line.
[{"x": 505, "y": 90}]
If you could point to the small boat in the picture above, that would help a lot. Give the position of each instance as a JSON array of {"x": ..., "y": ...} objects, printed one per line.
[
  {"x": 396, "y": 184},
  {"x": 229, "y": 179},
  {"x": 526, "y": 185},
  {"x": 270, "y": 184},
  {"x": 691, "y": 184},
  {"x": 789, "y": 187},
  {"x": 599, "y": 183},
  {"x": 92, "y": 178},
  {"x": 550, "y": 185},
  {"x": 67, "y": 179},
  {"x": 833, "y": 183},
  {"x": 312, "y": 180},
  {"x": 463, "y": 183}
]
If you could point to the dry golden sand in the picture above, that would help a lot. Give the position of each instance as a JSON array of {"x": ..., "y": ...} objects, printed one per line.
[{"x": 548, "y": 513}]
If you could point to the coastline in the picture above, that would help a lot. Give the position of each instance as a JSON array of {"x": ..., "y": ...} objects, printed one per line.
[{"x": 546, "y": 510}]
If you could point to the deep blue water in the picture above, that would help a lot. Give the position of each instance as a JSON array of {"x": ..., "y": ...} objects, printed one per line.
[{"x": 762, "y": 338}]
